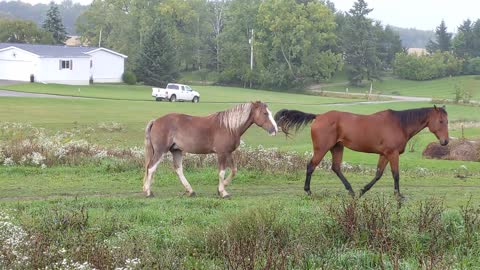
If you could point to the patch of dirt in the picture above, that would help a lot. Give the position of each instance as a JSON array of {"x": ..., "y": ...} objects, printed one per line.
[{"x": 467, "y": 150}]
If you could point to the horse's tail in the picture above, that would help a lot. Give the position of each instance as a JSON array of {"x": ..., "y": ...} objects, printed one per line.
[
  {"x": 148, "y": 145},
  {"x": 287, "y": 119}
]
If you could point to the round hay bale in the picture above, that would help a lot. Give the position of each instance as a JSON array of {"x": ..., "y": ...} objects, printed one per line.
[
  {"x": 455, "y": 150},
  {"x": 463, "y": 150},
  {"x": 435, "y": 150}
]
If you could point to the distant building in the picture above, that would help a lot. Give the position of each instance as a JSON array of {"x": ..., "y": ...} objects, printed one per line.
[
  {"x": 417, "y": 51},
  {"x": 60, "y": 64},
  {"x": 74, "y": 41}
]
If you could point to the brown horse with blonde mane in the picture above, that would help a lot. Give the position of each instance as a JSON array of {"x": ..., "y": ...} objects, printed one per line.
[
  {"x": 216, "y": 133},
  {"x": 385, "y": 133}
]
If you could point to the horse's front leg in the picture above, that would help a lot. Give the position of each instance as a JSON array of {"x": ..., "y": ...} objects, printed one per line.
[
  {"x": 394, "y": 160},
  {"x": 222, "y": 164},
  {"x": 382, "y": 163}
]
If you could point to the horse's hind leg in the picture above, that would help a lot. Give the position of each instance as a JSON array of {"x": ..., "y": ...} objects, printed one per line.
[
  {"x": 177, "y": 163},
  {"x": 222, "y": 164},
  {"x": 318, "y": 155},
  {"x": 382, "y": 163},
  {"x": 233, "y": 168},
  {"x": 337, "y": 155},
  {"x": 150, "y": 169}
]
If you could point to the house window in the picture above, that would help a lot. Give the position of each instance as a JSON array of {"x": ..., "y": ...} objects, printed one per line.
[{"x": 65, "y": 64}]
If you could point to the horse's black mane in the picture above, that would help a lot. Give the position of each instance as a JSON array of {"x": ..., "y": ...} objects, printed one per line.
[{"x": 408, "y": 117}]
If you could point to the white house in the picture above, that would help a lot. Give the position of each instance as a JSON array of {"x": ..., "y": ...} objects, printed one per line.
[{"x": 60, "y": 64}]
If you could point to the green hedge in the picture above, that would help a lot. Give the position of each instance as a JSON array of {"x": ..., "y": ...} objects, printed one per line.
[{"x": 426, "y": 67}]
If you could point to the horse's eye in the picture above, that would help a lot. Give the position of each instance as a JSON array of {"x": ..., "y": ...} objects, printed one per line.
[
  {"x": 265, "y": 114},
  {"x": 441, "y": 121}
]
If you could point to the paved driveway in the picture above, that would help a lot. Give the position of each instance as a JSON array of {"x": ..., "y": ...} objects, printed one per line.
[{"x": 6, "y": 93}]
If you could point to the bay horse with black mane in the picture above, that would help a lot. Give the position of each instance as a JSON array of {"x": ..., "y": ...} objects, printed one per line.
[
  {"x": 216, "y": 133},
  {"x": 385, "y": 133}
]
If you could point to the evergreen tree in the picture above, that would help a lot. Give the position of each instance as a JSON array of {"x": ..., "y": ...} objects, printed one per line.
[
  {"x": 462, "y": 43},
  {"x": 53, "y": 24},
  {"x": 359, "y": 40},
  {"x": 388, "y": 44},
  {"x": 443, "y": 41},
  {"x": 157, "y": 64},
  {"x": 476, "y": 39}
]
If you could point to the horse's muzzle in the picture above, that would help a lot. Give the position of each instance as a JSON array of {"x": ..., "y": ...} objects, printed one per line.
[
  {"x": 444, "y": 142},
  {"x": 272, "y": 131}
]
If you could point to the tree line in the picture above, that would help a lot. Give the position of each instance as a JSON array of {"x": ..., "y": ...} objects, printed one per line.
[
  {"x": 254, "y": 43},
  {"x": 267, "y": 43},
  {"x": 52, "y": 30},
  {"x": 69, "y": 12},
  {"x": 448, "y": 55}
]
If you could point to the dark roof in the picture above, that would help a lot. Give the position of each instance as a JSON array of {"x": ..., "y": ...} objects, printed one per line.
[{"x": 51, "y": 50}]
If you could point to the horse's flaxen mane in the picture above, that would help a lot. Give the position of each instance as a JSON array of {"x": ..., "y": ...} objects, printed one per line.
[
  {"x": 235, "y": 117},
  {"x": 408, "y": 117}
]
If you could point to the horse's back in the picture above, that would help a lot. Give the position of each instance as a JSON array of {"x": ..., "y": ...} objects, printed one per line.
[
  {"x": 365, "y": 133},
  {"x": 193, "y": 134}
]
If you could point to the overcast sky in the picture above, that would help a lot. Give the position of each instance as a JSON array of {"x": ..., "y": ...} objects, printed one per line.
[{"x": 419, "y": 14}]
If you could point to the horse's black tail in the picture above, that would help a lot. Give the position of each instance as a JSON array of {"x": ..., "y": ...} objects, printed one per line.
[{"x": 287, "y": 119}]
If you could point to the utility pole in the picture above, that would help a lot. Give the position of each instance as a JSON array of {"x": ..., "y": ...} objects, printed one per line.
[
  {"x": 251, "y": 52},
  {"x": 100, "y": 39},
  {"x": 251, "y": 58}
]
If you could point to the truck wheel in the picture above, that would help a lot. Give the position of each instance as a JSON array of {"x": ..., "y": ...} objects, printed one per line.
[
  {"x": 195, "y": 99},
  {"x": 173, "y": 98}
]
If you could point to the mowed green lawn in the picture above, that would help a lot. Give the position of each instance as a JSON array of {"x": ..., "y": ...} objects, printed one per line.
[
  {"x": 437, "y": 89},
  {"x": 210, "y": 94}
]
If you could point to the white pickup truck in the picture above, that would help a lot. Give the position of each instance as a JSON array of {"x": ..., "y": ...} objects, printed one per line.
[{"x": 174, "y": 92}]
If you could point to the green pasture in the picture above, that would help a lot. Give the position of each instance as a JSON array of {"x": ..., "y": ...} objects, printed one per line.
[
  {"x": 438, "y": 89},
  {"x": 87, "y": 210},
  {"x": 83, "y": 116},
  {"x": 208, "y": 94}
]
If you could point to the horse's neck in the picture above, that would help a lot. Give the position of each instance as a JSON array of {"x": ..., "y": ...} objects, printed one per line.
[
  {"x": 243, "y": 128},
  {"x": 416, "y": 127}
]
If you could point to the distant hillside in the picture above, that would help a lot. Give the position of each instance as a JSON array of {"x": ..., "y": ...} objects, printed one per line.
[
  {"x": 36, "y": 13},
  {"x": 414, "y": 38}
]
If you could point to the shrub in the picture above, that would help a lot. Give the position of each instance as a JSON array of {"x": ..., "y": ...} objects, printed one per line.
[
  {"x": 427, "y": 67},
  {"x": 254, "y": 239},
  {"x": 129, "y": 77},
  {"x": 472, "y": 66}
]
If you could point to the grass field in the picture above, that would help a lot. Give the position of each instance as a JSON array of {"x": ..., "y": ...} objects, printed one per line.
[
  {"x": 209, "y": 94},
  {"x": 92, "y": 213},
  {"x": 437, "y": 89}
]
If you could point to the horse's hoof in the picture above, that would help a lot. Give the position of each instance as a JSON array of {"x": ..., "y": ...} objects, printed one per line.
[
  {"x": 150, "y": 195},
  {"x": 352, "y": 193},
  {"x": 192, "y": 194},
  {"x": 309, "y": 193},
  {"x": 226, "y": 196}
]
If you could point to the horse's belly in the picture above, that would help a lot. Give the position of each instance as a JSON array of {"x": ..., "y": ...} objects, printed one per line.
[
  {"x": 194, "y": 148},
  {"x": 360, "y": 148},
  {"x": 360, "y": 144}
]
